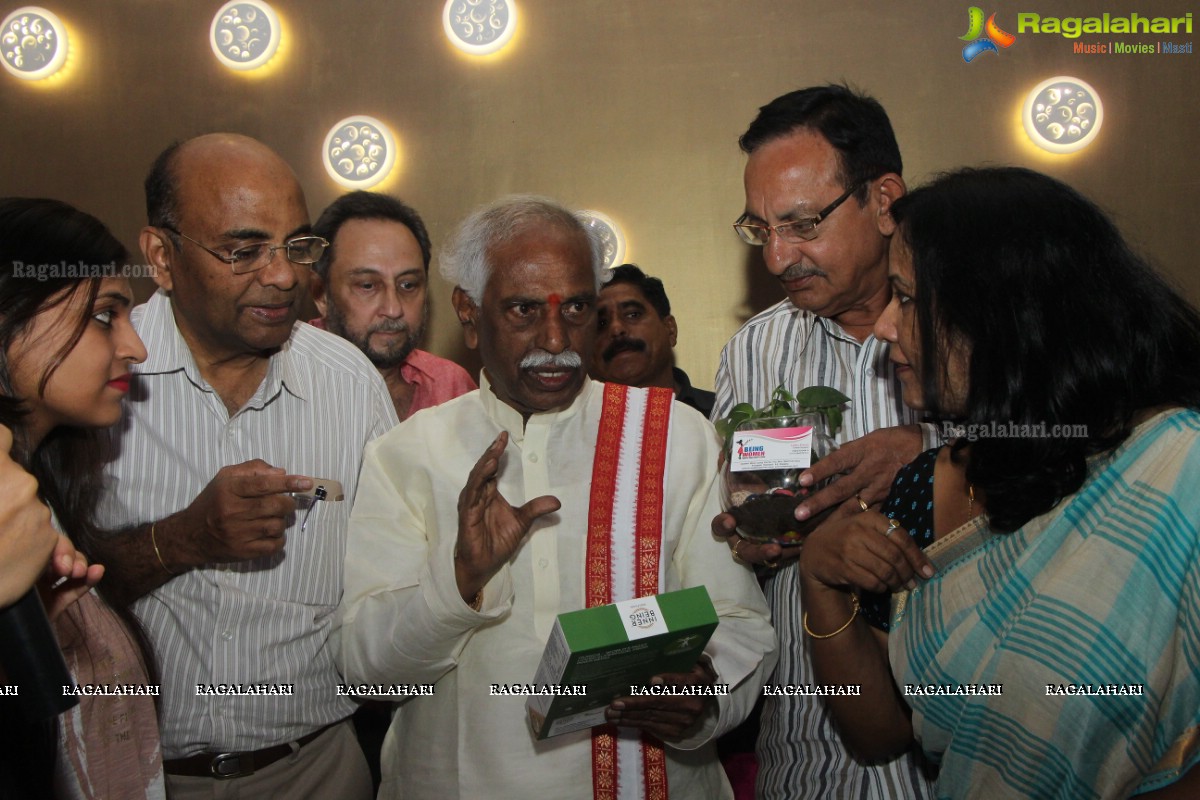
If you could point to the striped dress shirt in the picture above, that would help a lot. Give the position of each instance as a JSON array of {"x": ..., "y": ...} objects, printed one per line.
[
  {"x": 265, "y": 621},
  {"x": 800, "y": 753}
]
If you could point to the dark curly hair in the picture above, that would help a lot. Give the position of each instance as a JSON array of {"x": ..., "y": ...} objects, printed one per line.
[{"x": 1064, "y": 323}]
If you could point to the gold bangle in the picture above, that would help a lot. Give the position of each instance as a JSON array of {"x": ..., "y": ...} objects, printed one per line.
[
  {"x": 476, "y": 603},
  {"x": 736, "y": 545},
  {"x": 853, "y": 614},
  {"x": 162, "y": 563}
]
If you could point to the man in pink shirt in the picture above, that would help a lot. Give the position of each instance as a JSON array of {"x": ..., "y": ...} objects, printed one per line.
[{"x": 371, "y": 289}]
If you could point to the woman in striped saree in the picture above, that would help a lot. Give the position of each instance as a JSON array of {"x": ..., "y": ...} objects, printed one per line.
[{"x": 1046, "y": 643}]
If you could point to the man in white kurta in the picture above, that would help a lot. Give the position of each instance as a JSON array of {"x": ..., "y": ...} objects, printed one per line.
[{"x": 407, "y": 615}]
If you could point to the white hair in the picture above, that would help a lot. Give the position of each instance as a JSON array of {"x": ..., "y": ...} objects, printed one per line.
[{"x": 464, "y": 259}]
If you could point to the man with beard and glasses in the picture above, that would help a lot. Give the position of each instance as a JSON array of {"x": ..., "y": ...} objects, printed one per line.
[
  {"x": 637, "y": 335},
  {"x": 371, "y": 287},
  {"x": 563, "y": 480}
]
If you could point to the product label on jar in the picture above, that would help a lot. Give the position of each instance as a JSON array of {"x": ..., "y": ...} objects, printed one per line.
[{"x": 772, "y": 448}]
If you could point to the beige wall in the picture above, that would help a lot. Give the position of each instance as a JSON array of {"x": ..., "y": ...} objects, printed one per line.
[{"x": 632, "y": 108}]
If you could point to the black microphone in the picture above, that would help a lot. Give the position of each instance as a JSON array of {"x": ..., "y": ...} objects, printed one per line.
[{"x": 32, "y": 659}]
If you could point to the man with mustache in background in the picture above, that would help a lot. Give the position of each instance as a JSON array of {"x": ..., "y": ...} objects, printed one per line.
[
  {"x": 371, "y": 287},
  {"x": 637, "y": 335}
]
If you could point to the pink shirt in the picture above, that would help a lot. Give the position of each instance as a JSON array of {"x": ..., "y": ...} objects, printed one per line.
[{"x": 434, "y": 379}]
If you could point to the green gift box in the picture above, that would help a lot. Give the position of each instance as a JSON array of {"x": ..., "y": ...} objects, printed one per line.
[{"x": 601, "y": 653}]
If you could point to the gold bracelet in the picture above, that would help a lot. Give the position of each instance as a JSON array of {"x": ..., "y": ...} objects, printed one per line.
[
  {"x": 853, "y": 614},
  {"x": 162, "y": 563},
  {"x": 476, "y": 603}
]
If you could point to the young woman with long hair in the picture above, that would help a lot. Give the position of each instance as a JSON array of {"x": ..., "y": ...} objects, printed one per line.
[{"x": 66, "y": 346}]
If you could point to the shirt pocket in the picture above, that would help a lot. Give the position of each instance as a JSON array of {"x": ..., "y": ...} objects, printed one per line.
[{"x": 309, "y": 570}]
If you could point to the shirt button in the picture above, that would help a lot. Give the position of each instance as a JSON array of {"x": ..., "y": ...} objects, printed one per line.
[
  {"x": 533, "y": 457},
  {"x": 226, "y": 635},
  {"x": 543, "y": 563},
  {"x": 870, "y": 373}
]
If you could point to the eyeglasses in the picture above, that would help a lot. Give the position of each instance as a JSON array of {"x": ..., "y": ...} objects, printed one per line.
[
  {"x": 801, "y": 230},
  {"x": 253, "y": 257}
]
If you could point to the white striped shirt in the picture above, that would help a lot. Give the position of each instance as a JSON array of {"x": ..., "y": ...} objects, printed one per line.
[
  {"x": 253, "y": 622},
  {"x": 800, "y": 753}
]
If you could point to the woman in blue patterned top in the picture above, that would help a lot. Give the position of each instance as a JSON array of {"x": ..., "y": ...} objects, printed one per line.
[{"x": 1046, "y": 642}]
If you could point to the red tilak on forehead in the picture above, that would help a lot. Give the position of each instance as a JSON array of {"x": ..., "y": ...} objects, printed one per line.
[{"x": 554, "y": 300}]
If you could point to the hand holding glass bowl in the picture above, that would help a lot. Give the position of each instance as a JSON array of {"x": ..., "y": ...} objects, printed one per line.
[{"x": 787, "y": 436}]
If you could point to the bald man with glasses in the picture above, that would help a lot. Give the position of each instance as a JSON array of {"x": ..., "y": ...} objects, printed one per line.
[{"x": 231, "y": 491}]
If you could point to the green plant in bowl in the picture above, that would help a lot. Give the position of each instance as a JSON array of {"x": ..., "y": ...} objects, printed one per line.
[{"x": 763, "y": 501}]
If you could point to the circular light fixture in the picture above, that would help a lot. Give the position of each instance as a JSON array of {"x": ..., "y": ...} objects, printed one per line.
[
  {"x": 34, "y": 43},
  {"x": 1062, "y": 115},
  {"x": 610, "y": 235},
  {"x": 479, "y": 27},
  {"x": 244, "y": 35},
  {"x": 359, "y": 152}
]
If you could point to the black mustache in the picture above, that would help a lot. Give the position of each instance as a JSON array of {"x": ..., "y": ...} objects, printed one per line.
[{"x": 621, "y": 345}]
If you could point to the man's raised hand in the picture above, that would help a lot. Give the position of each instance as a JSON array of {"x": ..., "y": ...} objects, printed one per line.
[{"x": 489, "y": 529}]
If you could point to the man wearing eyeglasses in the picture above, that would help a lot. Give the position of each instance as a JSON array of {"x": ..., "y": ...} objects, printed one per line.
[
  {"x": 236, "y": 414},
  {"x": 823, "y": 171}
]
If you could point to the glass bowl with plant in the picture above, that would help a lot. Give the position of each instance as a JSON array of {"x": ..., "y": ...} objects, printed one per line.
[{"x": 765, "y": 451}]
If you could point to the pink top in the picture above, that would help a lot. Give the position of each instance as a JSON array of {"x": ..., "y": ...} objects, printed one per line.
[{"x": 434, "y": 379}]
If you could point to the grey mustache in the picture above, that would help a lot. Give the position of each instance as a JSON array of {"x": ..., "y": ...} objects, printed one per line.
[
  {"x": 796, "y": 272},
  {"x": 567, "y": 359},
  {"x": 389, "y": 326}
]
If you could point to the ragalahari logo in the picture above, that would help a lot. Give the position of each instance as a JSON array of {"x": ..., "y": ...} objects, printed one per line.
[{"x": 992, "y": 37}]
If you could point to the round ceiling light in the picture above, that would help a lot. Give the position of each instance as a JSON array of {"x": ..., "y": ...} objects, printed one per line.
[
  {"x": 244, "y": 35},
  {"x": 479, "y": 27},
  {"x": 610, "y": 235},
  {"x": 359, "y": 152},
  {"x": 34, "y": 43},
  {"x": 1063, "y": 115}
]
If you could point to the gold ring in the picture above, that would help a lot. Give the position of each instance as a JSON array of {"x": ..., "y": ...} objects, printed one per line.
[
  {"x": 736, "y": 545},
  {"x": 892, "y": 525},
  {"x": 772, "y": 564},
  {"x": 861, "y": 503}
]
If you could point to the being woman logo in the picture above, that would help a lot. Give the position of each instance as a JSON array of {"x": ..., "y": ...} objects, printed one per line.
[
  {"x": 983, "y": 37},
  {"x": 642, "y": 617}
]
